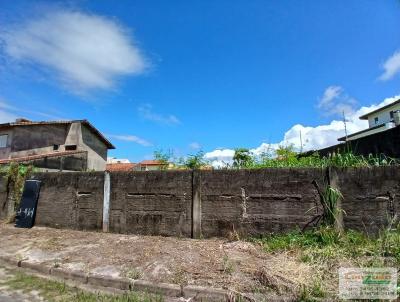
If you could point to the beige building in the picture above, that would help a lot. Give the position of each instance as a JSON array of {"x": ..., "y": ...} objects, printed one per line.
[
  {"x": 379, "y": 120},
  {"x": 74, "y": 145},
  {"x": 152, "y": 165}
]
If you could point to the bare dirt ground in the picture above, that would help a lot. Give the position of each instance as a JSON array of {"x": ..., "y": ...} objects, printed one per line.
[{"x": 237, "y": 265}]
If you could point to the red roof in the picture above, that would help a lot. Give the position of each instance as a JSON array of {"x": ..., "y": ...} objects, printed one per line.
[
  {"x": 153, "y": 163},
  {"x": 120, "y": 167},
  {"x": 39, "y": 156},
  {"x": 24, "y": 122}
]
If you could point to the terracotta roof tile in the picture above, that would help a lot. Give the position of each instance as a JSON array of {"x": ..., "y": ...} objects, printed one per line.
[
  {"x": 152, "y": 162},
  {"x": 120, "y": 167}
]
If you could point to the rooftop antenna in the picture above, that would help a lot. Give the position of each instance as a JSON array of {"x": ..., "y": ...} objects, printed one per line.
[{"x": 345, "y": 125}]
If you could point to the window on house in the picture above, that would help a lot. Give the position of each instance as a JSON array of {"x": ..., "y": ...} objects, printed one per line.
[
  {"x": 70, "y": 147},
  {"x": 376, "y": 120},
  {"x": 391, "y": 114},
  {"x": 56, "y": 147},
  {"x": 3, "y": 140}
]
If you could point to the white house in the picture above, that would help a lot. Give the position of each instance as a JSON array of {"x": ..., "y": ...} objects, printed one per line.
[{"x": 379, "y": 120}]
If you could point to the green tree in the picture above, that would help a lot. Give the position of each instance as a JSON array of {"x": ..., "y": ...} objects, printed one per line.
[
  {"x": 164, "y": 157},
  {"x": 243, "y": 158},
  {"x": 195, "y": 161},
  {"x": 286, "y": 153}
]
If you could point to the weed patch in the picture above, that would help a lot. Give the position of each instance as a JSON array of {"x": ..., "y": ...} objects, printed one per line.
[
  {"x": 325, "y": 250},
  {"x": 326, "y": 243},
  {"x": 60, "y": 292}
]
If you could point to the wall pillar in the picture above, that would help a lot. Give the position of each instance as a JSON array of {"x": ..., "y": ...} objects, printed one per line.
[
  {"x": 196, "y": 204},
  {"x": 333, "y": 182},
  {"x": 106, "y": 202}
]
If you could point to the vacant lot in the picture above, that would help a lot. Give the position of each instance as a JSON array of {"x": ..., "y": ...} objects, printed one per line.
[
  {"x": 237, "y": 265},
  {"x": 296, "y": 265}
]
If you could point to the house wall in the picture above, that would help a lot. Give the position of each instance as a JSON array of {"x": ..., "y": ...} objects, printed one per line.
[
  {"x": 40, "y": 139},
  {"x": 5, "y": 152},
  {"x": 372, "y": 131},
  {"x": 382, "y": 143},
  {"x": 97, "y": 150},
  {"x": 383, "y": 116},
  {"x": 216, "y": 203},
  {"x": 36, "y": 139},
  {"x": 70, "y": 162}
]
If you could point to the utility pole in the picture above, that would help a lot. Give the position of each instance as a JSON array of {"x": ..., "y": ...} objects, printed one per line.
[
  {"x": 301, "y": 143},
  {"x": 345, "y": 125}
]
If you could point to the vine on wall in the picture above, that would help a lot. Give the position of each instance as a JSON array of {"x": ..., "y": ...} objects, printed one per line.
[{"x": 16, "y": 174}]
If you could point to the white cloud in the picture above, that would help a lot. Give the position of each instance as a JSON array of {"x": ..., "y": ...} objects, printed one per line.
[
  {"x": 195, "y": 146},
  {"x": 7, "y": 112},
  {"x": 220, "y": 157},
  {"x": 131, "y": 138},
  {"x": 335, "y": 102},
  {"x": 313, "y": 138},
  {"x": 7, "y": 117},
  {"x": 146, "y": 112},
  {"x": 85, "y": 51},
  {"x": 13, "y": 111},
  {"x": 331, "y": 93},
  {"x": 391, "y": 67}
]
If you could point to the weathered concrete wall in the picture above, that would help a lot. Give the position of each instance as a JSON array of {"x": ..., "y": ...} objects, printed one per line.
[
  {"x": 5, "y": 151},
  {"x": 371, "y": 197},
  {"x": 216, "y": 203},
  {"x": 93, "y": 141},
  {"x": 3, "y": 197},
  {"x": 257, "y": 201},
  {"x": 28, "y": 138},
  {"x": 70, "y": 200},
  {"x": 69, "y": 162},
  {"x": 151, "y": 203}
]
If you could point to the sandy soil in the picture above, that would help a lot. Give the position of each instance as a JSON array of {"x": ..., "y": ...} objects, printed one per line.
[{"x": 236, "y": 265}]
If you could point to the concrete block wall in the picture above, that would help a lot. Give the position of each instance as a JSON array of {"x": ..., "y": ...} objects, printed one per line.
[
  {"x": 70, "y": 200},
  {"x": 257, "y": 201},
  {"x": 371, "y": 197},
  {"x": 215, "y": 203},
  {"x": 3, "y": 197},
  {"x": 151, "y": 203}
]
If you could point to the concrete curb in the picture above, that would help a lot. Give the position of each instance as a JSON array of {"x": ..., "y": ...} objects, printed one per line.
[{"x": 197, "y": 293}]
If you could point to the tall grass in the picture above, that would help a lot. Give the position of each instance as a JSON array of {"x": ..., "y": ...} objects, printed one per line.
[
  {"x": 341, "y": 160},
  {"x": 330, "y": 201},
  {"x": 325, "y": 243}
]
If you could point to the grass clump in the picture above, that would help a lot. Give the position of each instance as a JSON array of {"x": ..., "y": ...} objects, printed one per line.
[
  {"x": 324, "y": 250},
  {"x": 326, "y": 243},
  {"x": 287, "y": 158},
  {"x": 60, "y": 292}
]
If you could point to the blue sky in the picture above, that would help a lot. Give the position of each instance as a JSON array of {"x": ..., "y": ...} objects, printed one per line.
[{"x": 209, "y": 75}]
